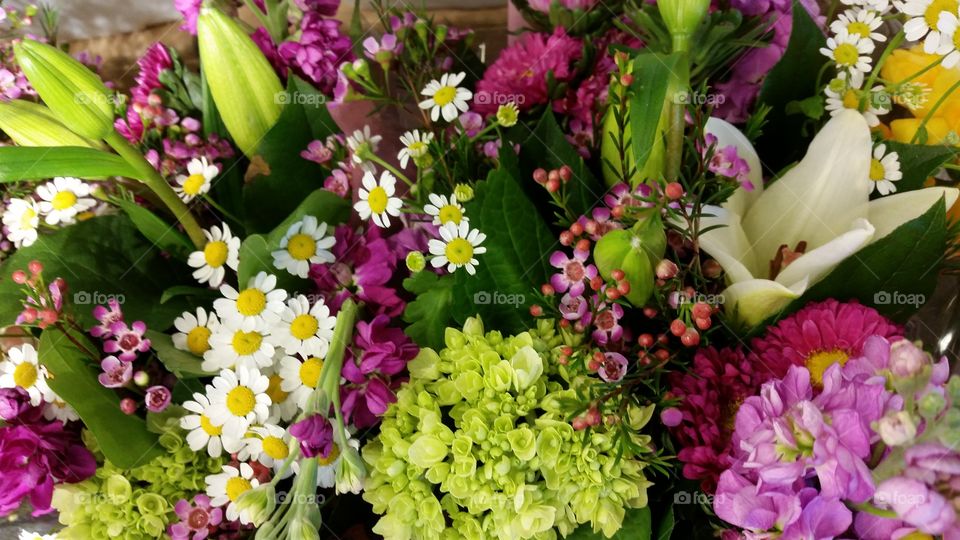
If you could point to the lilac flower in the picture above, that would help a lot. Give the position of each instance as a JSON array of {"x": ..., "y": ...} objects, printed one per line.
[
  {"x": 13, "y": 85},
  {"x": 606, "y": 323},
  {"x": 195, "y": 520},
  {"x": 917, "y": 504},
  {"x": 739, "y": 503},
  {"x": 318, "y": 152},
  {"x": 315, "y": 435},
  {"x": 115, "y": 373},
  {"x": 384, "y": 50},
  {"x": 337, "y": 183},
  {"x": 157, "y": 398},
  {"x": 471, "y": 123},
  {"x": 127, "y": 340},
  {"x": 14, "y": 403},
  {"x": 573, "y": 308},
  {"x": 821, "y": 518},
  {"x": 107, "y": 316},
  {"x": 321, "y": 49},
  {"x": 573, "y": 273},
  {"x": 727, "y": 162},
  {"x": 613, "y": 368},
  {"x": 327, "y": 8}
]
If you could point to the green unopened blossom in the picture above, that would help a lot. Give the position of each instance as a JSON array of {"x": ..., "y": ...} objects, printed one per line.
[
  {"x": 463, "y": 192},
  {"x": 258, "y": 503},
  {"x": 507, "y": 115},
  {"x": 416, "y": 262},
  {"x": 527, "y": 367}
]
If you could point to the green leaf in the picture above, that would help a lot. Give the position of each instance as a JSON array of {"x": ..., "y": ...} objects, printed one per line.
[
  {"x": 40, "y": 162},
  {"x": 162, "y": 234},
  {"x": 636, "y": 526},
  {"x": 157, "y": 422},
  {"x": 181, "y": 363},
  {"x": 123, "y": 438},
  {"x": 208, "y": 295},
  {"x": 428, "y": 316},
  {"x": 651, "y": 76},
  {"x": 99, "y": 258},
  {"x": 919, "y": 162},
  {"x": 665, "y": 528},
  {"x": 325, "y": 205},
  {"x": 896, "y": 274},
  {"x": 314, "y": 105}
]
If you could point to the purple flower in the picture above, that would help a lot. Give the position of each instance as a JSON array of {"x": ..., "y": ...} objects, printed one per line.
[
  {"x": 906, "y": 359},
  {"x": 152, "y": 64},
  {"x": 727, "y": 162},
  {"x": 318, "y": 152},
  {"x": 613, "y": 367},
  {"x": 606, "y": 323},
  {"x": 738, "y": 502},
  {"x": 337, "y": 183},
  {"x": 190, "y": 9},
  {"x": 822, "y": 518},
  {"x": 157, "y": 398},
  {"x": 315, "y": 435},
  {"x": 321, "y": 49},
  {"x": 14, "y": 403},
  {"x": 115, "y": 373},
  {"x": 917, "y": 504},
  {"x": 107, "y": 318},
  {"x": 195, "y": 520},
  {"x": 381, "y": 51},
  {"x": 364, "y": 404},
  {"x": 573, "y": 272},
  {"x": 671, "y": 417},
  {"x": 471, "y": 123},
  {"x": 127, "y": 340},
  {"x": 573, "y": 308},
  {"x": 327, "y": 8}
]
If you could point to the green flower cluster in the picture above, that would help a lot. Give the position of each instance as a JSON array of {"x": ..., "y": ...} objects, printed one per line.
[
  {"x": 478, "y": 445},
  {"x": 134, "y": 504}
]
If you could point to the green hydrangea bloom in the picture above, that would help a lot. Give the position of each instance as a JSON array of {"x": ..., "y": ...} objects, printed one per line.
[
  {"x": 134, "y": 504},
  {"x": 478, "y": 446}
]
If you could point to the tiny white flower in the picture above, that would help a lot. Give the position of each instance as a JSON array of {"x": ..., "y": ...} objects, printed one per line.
[
  {"x": 922, "y": 24},
  {"x": 885, "y": 170},
  {"x": 851, "y": 54},
  {"x": 60, "y": 410},
  {"x": 237, "y": 400},
  {"x": 950, "y": 43},
  {"x": 445, "y": 210},
  {"x": 303, "y": 329},
  {"x": 880, "y": 6},
  {"x": 457, "y": 247},
  {"x": 366, "y": 141},
  {"x": 221, "y": 251},
  {"x": 21, "y": 217},
  {"x": 202, "y": 432},
  {"x": 282, "y": 407},
  {"x": 377, "y": 199},
  {"x": 226, "y": 487},
  {"x": 22, "y": 369},
  {"x": 28, "y": 535},
  {"x": 859, "y": 22},
  {"x": 446, "y": 97},
  {"x": 415, "y": 145},
  {"x": 63, "y": 198},
  {"x": 300, "y": 377},
  {"x": 306, "y": 242},
  {"x": 261, "y": 303},
  {"x": 842, "y": 94},
  {"x": 194, "y": 331},
  {"x": 198, "y": 181},
  {"x": 269, "y": 444},
  {"x": 230, "y": 348}
]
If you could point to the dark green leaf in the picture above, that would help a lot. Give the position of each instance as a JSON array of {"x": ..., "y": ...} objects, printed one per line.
[
  {"x": 636, "y": 526},
  {"x": 665, "y": 528},
  {"x": 314, "y": 105},
  {"x": 430, "y": 314},
  {"x": 162, "y": 234},
  {"x": 651, "y": 74},
  {"x": 39, "y": 162},
  {"x": 123, "y": 438},
  {"x": 917, "y": 163},
  {"x": 181, "y": 363},
  {"x": 188, "y": 290},
  {"x": 158, "y": 422}
]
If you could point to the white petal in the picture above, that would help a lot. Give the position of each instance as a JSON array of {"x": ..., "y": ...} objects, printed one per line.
[
  {"x": 729, "y": 245},
  {"x": 816, "y": 264},
  {"x": 755, "y": 300},
  {"x": 888, "y": 213},
  {"x": 728, "y": 135}
]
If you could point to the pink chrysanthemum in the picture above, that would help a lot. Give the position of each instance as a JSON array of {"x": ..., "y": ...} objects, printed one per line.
[{"x": 819, "y": 335}]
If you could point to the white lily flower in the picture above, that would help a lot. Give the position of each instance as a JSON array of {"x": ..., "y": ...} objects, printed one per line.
[{"x": 775, "y": 243}]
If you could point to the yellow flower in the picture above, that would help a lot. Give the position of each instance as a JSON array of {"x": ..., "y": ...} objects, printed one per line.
[{"x": 902, "y": 65}]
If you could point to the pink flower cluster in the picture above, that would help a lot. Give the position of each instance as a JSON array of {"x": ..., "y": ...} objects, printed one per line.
[{"x": 319, "y": 50}]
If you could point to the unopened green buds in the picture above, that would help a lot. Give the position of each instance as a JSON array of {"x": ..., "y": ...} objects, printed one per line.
[
  {"x": 682, "y": 18},
  {"x": 75, "y": 94},
  {"x": 635, "y": 252},
  {"x": 242, "y": 82},
  {"x": 32, "y": 124}
]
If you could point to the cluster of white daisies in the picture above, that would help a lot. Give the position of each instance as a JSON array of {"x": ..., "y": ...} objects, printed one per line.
[
  {"x": 59, "y": 202},
  {"x": 21, "y": 368}
]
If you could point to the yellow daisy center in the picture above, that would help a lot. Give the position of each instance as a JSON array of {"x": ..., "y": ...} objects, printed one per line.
[
  {"x": 198, "y": 340},
  {"x": 237, "y": 486},
  {"x": 459, "y": 251},
  {"x": 334, "y": 454},
  {"x": 193, "y": 184},
  {"x": 846, "y": 54},
  {"x": 304, "y": 326},
  {"x": 251, "y": 302},
  {"x": 246, "y": 343},
  {"x": 932, "y": 14},
  {"x": 417, "y": 148},
  {"x": 241, "y": 401},
  {"x": 25, "y": 375},
  {"x": 63, "y": 200},
  {"x": 29, "y": 214},
  {"x": 851, "y": 99},
  {"x": 301, "y": 247},
  {"x": 207, "y": 426},
  {"x": 310, "y": 372},
  {"x": 450, "y": 213},
  {"x": 445, "y": 95},
  {"x": 215, "y": 253},
  {"x": 859, "y": 28},
  {"x": 377, "y": 200},
  {"x": 819, "y": 363},
  {"x": 277, "y": 395},
  {"x": 877, "y": 172},
  {"x": 275, "y": 447}
]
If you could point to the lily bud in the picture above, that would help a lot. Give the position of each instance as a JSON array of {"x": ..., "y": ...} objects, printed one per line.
[
  {"x": 32, "y": 124},
  {"x": 242, "y": 82},
  {"x": 351, "y": 471},
  {"x": 636, "y": 252},
  {"x": 256, "y": 505},
  {"x": 75, "y": 94},
  {"x": 682, "y": 18},
  {"x": 302, "y": 529}
]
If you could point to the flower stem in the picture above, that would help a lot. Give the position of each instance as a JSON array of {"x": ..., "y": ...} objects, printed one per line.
[
  {"x": 894, "y": 43},
  {"x": 396, "y": 172},
  {"x": 933, "y": 109}
]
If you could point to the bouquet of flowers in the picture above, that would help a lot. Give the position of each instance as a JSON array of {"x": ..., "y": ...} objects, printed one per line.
[{"x": 645, "y": 273}]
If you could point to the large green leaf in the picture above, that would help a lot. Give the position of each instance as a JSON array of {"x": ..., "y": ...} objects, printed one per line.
[
  {"x": 651, "y": 77},
  {"x": 636, "y": 526},
  {"x": 429, "y": 315},
  {"x": 896, "y": 274},
  {"x": 38, "y": 162},
  {"x": 164, "y": 235},
  {"x": 123, "y": 438},
  {"x": 99, "y": 258},
  {"x": 919, "y": 162},
  {"x": 181, "y": 363}
]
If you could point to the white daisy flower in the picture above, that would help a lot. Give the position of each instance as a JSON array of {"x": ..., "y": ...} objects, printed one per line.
[
  {"x": 950, "y": 42},
  {"x": 924, "y": 16},
  {"x": 194, "y": 331},
  {"x": 29, "y": 535},
  {"x": 880, "y": 6},
  {"x": 231, "y": 348},
  {"x": 237, "y": 400},
  {"x": 363, "y": 141},
  {"x": 60, "y": 410},
  {"x": 377, "y": 200},
  {"x": 261, "y": 303},
  {"x": 269, "y": 444},
  {"x": 226, "y": 487},
  {"x": 445, "y": 97},
  {"x": 198, "y": 181},
  {"x": 457, "y": 247},
  {"x": 415, "y": 145},
  {"x": 63, "y": 198},
  {"x": 221, "y": 251},
  {"x": 303, "y": 329},
  {"x": 306, "y": 242},
  {"x": 841, "y": 94},
  {"x": 859, "y": 22},
  {"x": 851, "y": 54},
  {"x": 885, "y": 170},
  {"x": 22, "y": 369},
  {"x": 300, "y": 377},
  {"x": 21, "y": 217},
  {"x": 282, "y": 405},
  {"x": 202, "y": 432},
  {"x": 445, "y": 210}
]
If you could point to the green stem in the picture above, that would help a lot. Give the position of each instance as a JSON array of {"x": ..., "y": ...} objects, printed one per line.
[
  {"x": 894, "y": 43},
  {"x": 873, "y": 510},
  {"x": 396, "y": 172},
  {"x": 152, "y": 179},
  {"x": 932, "y": 65},
  {"x": 219, "y": 208},
  {"x": 936, "y": 106},
  {"x": 484, "y": 131}
]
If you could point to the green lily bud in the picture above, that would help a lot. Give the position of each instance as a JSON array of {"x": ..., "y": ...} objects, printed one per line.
[
  {"x": 682, "y": 18},
  {"x": 352, "y": 471},
  {"x": 75, "y": 94},
  {"x": 636, "y": 252},
  {"x": 32, "y": 124},
  {"x": 258, "y": 504},
  {"x": 302, "y": 529},
  {"x": 242, "y": 82}
]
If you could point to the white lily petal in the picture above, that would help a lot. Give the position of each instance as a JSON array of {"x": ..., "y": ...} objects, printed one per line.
[
  {"x": 888, "y": 213},
  {"x": 728, "y": 243},
  {"x": 728, "y": 135},
  {"x": 817, "y": 199},
  {"x": 816, "y": 264},
  {"x": 756, "y": 300}
]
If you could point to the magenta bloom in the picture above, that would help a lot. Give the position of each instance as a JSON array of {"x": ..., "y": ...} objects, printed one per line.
[
  {"x": 573, "y": 308},
  {"x": 157, "y": 398},
  {"x": 315, "y": 435},
  {"x": 573, "y": 273},
  {"x": 382, "y": 50},
  {"x": 190, "y": 9},
  {"x": 127, "y": 340},
  {"x": 115, "y": 373},
  {"x": 151, "y": 64},
  {"x": 613, "y": 368},
  {"x": 606, "y": 323},
  {"x": 337, "y": 182},
  {"x": 727, "y": 162},
  {"x": 197, "y": 520},
  {"x": 318, "y": 152},
  {"x": 321, "y": 49},
  {"x": 14, "y": 403},
  {"x": 107, "y": 316}
]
